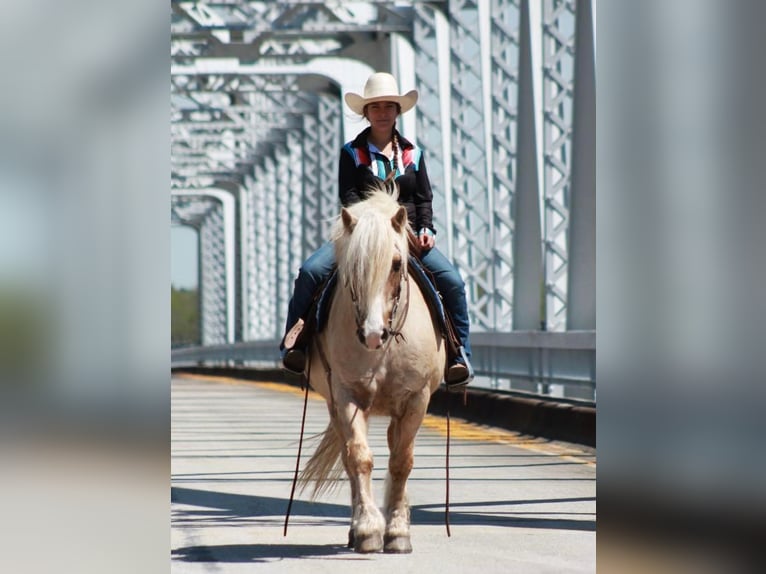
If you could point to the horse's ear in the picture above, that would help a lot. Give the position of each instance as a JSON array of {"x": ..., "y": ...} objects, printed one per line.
[
  {"x": 399, "y": 220},
  {"x": 349, "y": 221}
]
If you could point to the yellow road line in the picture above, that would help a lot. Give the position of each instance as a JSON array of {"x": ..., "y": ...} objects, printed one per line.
[
  {"x": 459, "y": 429},
  {"x": 463, "y": 430},
  {"x": 281, "y": 387}
]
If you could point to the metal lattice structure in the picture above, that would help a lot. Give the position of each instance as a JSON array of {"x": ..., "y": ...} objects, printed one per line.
[
  {"x": 504, "y": 40},
  {"x": 213, "y": 292},
  {"x": 471, "y": 213},
  {"x": 427, "y": 24},
  {"x": 257, "y": 114},
  {"x": 558, "y": 77}
]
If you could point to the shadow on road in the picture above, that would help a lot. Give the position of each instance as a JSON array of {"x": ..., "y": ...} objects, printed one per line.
[
  {"x": 220, "y": 507},
  {"x": 259, "y": 552}
]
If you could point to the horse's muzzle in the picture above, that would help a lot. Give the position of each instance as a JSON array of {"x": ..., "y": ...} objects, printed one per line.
[{"x": 373, "y": 341}]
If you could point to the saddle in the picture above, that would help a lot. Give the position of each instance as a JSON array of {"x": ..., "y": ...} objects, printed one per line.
[{"x": 300, "y": 334}]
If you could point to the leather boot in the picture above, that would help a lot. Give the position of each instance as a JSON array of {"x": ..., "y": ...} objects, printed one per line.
[{"x": 460, "y": 372}]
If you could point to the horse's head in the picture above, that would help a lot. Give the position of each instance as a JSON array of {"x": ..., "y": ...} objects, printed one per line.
[{"x": 371, "y": 250}]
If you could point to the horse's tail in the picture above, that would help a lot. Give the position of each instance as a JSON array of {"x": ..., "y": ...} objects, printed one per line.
[{"x": 324, "y": 468}]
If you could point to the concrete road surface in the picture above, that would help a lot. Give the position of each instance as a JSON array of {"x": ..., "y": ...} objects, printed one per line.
[{"x": 517, "y": 504}]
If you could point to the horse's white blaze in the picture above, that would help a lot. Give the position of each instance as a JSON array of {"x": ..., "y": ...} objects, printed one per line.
[{"x": 374, "y": 323}]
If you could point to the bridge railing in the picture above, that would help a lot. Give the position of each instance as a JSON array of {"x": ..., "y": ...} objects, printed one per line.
[{"x": 550, "y": 364}]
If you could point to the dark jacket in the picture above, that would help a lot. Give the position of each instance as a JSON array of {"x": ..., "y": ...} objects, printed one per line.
[{"x": 355, "y": 175}]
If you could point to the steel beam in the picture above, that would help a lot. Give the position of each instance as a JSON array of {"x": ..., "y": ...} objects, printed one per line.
[{"x": 581, "y": 290}]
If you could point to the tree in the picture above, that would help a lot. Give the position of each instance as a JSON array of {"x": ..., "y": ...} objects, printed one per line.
[{"x": 185, "y": 319}]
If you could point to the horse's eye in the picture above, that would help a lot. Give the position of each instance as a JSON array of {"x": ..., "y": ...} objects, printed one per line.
[{"x": 396, "y": 266}]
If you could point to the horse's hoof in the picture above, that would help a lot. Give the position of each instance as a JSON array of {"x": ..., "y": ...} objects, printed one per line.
[
  {"x": 350, "y": 539},
  {"x": 367, "y": 544},
  {"x": 397, "y": 545}
]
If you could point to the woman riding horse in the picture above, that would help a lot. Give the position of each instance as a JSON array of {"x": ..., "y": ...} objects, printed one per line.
[{"x": 380, "y": 153}]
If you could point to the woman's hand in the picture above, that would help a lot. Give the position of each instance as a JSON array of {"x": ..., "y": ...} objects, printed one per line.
[{"x": 426, "y": 240}]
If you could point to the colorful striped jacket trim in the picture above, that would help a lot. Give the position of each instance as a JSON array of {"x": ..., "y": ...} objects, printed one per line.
[{"x": 410, "y": 156}]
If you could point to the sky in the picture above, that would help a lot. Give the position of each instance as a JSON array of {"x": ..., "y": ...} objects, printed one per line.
[
  {"x": 25, "y": 229},
  {"x": 183, "y": 250}
]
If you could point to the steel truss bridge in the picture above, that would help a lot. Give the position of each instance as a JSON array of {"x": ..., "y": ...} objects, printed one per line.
[{"x": 506, "y": 116}]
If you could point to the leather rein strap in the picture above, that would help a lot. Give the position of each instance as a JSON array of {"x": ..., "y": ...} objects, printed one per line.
[{"x": 305, "y": 385}]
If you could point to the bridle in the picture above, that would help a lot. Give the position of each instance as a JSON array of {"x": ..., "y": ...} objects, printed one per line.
[{"x": 389, "y": 330}]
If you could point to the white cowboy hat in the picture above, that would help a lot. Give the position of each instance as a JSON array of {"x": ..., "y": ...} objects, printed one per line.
[{"x": 381, "y": 87}]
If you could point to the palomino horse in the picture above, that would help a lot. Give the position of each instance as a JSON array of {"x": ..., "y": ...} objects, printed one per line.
[{"x": 379, "y": 354}]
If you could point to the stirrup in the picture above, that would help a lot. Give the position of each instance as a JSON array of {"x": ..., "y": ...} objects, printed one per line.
[
  {"x": 294, "y": 360},
  {"x": 293, "y": 356},
  {"x": 461, "y": 372}
]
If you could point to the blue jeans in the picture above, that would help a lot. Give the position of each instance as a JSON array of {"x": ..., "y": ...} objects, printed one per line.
[
  {"x": 448, "y": 282},
  {"x": 452, "y": 288},
  {"x": 311, "y": 274}
]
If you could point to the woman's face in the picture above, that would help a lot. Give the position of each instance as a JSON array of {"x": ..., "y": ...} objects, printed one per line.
[{"x": 382, "y": 115}]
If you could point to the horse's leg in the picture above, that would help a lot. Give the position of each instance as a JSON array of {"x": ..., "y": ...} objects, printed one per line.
[
  {"x": 367, "y": 523},
  {"x": 354, "y": 497},
  {"x": 401, "y": 441}
]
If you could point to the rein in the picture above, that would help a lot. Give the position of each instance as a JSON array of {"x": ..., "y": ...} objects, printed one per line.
[{"x": 305, "y": 385}]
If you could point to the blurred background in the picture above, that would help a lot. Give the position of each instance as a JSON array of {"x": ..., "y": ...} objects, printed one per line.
[
  {"x": 680, "y": 269},
  {"x": 84, "y": 281},
  {"x": 85, "y": 270}
]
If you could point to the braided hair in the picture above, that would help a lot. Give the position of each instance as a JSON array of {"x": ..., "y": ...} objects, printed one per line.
[
  {"x": 395, "y": 148},
  {"x": 394, "y": 143}
]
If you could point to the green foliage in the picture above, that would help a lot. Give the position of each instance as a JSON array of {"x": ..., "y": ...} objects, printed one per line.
[
  {"x": 25, "y": 317},
  {"x": 185, "y": 319}
]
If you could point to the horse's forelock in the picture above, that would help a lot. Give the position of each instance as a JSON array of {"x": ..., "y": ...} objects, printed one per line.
[{"x": 364, "y": 256}]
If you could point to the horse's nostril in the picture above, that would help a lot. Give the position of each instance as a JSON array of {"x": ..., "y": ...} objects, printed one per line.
[
  {"x": 373, "y": 341},
  {"x": 385, "y": 335}
]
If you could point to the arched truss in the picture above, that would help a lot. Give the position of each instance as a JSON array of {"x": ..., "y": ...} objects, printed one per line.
[
  {"x": 256, "y": 109},
  {"x": 212, "y": 213}
]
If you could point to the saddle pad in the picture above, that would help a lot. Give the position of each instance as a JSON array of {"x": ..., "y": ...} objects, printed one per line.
[{"x": 430, "y": 294}]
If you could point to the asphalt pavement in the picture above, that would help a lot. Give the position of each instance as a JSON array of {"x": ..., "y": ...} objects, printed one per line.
[{"x": 517, "y": 503}]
